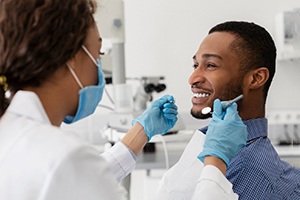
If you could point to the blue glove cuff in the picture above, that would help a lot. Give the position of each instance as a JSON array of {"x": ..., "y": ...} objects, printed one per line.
[
  {"x": 159, "y": 117},
  {"x": 143, "y": 125},
  {"x": 213, "y": 152}
]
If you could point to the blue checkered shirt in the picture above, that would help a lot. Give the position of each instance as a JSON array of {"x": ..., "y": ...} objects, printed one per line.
[{"x": 257, "y": 172}]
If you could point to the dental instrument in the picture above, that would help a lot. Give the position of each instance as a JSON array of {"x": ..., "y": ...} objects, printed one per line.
[{"x": 207, "y": 110}]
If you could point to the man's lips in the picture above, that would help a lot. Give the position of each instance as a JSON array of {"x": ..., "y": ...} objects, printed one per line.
[
  {"x": 200, "y": 97},
  {"x": 200, "y": 92}
]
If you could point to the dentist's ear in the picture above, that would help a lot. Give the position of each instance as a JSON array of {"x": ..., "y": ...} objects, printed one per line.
[
  {"x": 71, "y": 63},
  {"x": 257, "y": 78}
]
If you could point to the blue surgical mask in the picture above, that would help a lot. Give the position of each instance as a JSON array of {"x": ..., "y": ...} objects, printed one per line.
[{"x": 90, "y": 96}]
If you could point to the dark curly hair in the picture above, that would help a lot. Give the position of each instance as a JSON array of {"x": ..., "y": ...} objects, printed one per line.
[
  {"x": 37, "y": 37},
  {"x": 254, "y": 45}
]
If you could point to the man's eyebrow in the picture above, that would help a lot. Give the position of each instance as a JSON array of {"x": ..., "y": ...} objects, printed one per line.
[
  {"x": 212, "y": 55},
  {"x": 208, "y": 56}
]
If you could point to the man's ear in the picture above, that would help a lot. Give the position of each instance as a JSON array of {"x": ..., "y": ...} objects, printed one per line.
[{"x": 257, "y": 78}]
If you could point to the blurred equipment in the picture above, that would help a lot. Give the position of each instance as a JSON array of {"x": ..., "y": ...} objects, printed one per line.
[
  {"x": 146, "y": 88},
  {"x": 120, "y": 119},
  {"x": 284, "y": 124},
  {"x": 123, "y": 98},
  {"x": 288, "y": 34},
  {"x": 110, "y": 19}
]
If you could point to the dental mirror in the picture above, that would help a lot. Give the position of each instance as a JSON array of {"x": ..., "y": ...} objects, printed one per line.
[{"x": 207, "y": 110}]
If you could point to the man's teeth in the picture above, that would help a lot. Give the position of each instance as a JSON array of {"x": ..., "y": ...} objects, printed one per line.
[{"x": 201, "y": 95}]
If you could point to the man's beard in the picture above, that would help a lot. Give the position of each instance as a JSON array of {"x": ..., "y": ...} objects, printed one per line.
[
  {"x": 199, "y": 115},
  {"x": 231, "y": 92}
]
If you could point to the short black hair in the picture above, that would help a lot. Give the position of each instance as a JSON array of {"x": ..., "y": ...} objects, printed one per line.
[{"x": 253, "y": 44}]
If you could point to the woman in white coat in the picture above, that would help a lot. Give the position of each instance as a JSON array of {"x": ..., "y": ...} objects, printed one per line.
[{"x": 50, "y": 72}]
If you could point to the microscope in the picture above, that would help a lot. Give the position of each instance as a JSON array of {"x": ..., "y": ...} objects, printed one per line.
[
  {"x": 120, "y": 120},
  {"x": 144, "y": 91},
  {"x": 144, "y": 94}
]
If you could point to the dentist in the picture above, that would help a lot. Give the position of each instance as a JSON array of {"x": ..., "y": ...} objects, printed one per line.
[{"x": 50, "y": 72}]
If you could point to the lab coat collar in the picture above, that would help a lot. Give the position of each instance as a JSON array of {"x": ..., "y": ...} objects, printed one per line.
[
  {"x": 256, "y": 128},
  {"x": 28, "y": 104}
]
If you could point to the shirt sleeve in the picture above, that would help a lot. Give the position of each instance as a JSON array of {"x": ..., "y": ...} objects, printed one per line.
[
  {"x": 120, "y": 160},
  {"x": 249, "y": 189},
  {"x": 212, "y": 185},
  {"x": 81, "y": 174}
]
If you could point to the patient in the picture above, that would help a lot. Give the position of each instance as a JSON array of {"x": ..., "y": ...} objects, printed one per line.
[{"x": 235, "y": 58}]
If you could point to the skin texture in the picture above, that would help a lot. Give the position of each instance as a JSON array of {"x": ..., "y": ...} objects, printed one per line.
[
  {"x": 215, "y": 161},
  {"x": 62, "y": 82},
  {"x": 217, "y": 74},
  {"x": 59, "y": 93}
]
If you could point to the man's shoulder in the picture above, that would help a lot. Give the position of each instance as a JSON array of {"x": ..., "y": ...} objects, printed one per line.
[
  {"x": 261, "y": 161},
  {"x": 276, "y": 177},
  {"x": 256, "y": 154}
]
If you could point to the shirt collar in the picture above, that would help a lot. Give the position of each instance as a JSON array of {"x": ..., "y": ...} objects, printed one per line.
[
  {"x": 256, "y": 128},
  {"x": 28, "y": 104}
]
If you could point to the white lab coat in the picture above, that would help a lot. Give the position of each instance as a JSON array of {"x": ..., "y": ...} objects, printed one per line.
[
  {"x": 40, "y": 161},
  {"x": 189, "y": 179}
]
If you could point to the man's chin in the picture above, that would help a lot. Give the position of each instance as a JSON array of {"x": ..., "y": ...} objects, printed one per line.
[{"x": 199, "y": 115}]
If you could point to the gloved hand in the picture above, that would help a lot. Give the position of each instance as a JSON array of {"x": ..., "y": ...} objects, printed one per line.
[
  {"x": 226, "y": 133},
  {"x": 159, "y": 117}
]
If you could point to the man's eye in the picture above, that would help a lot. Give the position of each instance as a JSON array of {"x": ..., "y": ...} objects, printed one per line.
[
  {"x": 209, "y": 65},
  {"x": 195, "y": 66},
  {"x": 101, "y": 53}
]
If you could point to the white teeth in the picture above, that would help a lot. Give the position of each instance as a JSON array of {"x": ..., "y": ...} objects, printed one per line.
[{"x": 200, "y": 95}]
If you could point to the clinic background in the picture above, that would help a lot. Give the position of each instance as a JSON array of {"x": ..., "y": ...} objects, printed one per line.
[{"x": 160, "y": 38}]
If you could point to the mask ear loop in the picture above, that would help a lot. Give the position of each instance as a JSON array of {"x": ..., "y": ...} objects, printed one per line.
[
  {"x": 75, "y": 77},
  {"x": 89, "y": 54}
]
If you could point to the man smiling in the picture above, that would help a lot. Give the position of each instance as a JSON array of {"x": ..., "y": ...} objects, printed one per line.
[{"x": 235, "y": 58}]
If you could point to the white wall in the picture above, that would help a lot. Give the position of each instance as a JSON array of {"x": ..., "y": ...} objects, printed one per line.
[{"x": 163, "y": 35}]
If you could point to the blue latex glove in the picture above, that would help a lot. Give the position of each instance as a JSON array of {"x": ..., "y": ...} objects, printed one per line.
[
  {"x": 226, "y": 133},
  {"x": 159, "y": 117}
]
